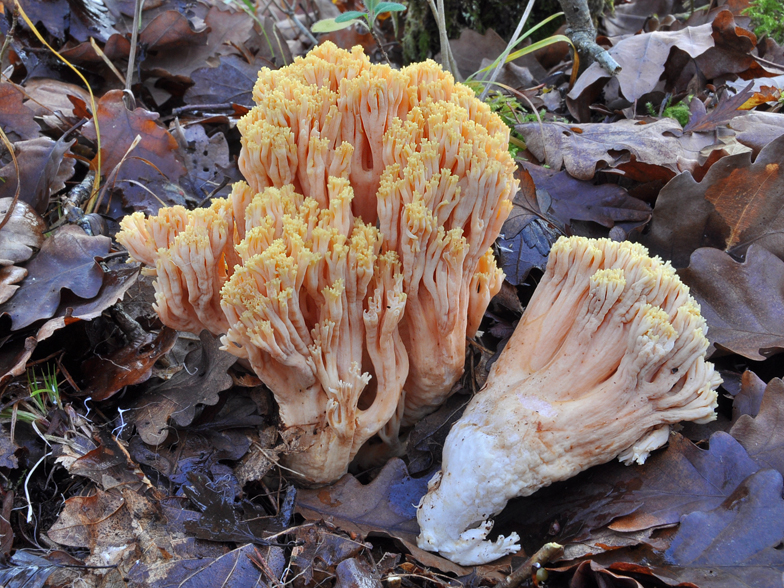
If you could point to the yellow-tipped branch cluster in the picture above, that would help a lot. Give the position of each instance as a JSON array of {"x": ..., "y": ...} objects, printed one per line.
[{"x": 323, "y": 305}]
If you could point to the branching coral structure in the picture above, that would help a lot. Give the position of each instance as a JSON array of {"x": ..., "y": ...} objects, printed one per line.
[
  {"x": 609, "y": 353},
  {"x": 352, "y": 264}
]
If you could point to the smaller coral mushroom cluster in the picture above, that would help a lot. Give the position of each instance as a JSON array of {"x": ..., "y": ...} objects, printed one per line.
[
  {"x": 350, "y": 268},
  {"x": 609, "y": 353}
]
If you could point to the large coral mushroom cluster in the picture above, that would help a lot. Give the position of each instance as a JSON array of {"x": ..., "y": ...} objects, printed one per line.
[
  {"x": 356, "y": 259},
  {"x": 609, "y": 353}
]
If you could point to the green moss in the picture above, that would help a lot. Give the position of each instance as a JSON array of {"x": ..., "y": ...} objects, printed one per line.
[{"x": 767, "y": 18}]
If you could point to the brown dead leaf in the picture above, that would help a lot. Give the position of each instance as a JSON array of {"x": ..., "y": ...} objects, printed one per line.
[
  {"x": 725, "y": 110},
  {"x": 737, "y": 544},
  {"x": 177, "y": 50},
  {"x": 384, "y": 507},
  {"x": 578, "y": 200},
  {"x": 47, "y": 96},
  {"x": 128, "y": 365},
  {"x": 119, "y": 128},
  {"x": 97, "y": 521},
  {"x": 319, "y": 552},
  {"x": 584, "y": 149},
  {"x": 204, "y": 376},
  {"x": 43, "y": 169},
  {"x": 684, "y": 479},
  {"x": 731, "y": 53},
  {"x": 205, "y": 158},
  {"x": 643, "y": 57},
  {"x": 231, "y": 82},
  {"x": 22, "y": 235},
  {"x": 742, "y": 302},
  {"x": 193, "y": 452},
  {"x": 109, "y": 465},
  {"x": 67, "y": 260},
  {"x": 762, "y": 435},
  {"x": 472, "y": 51},
  {"x": 737, "y": 203},
  {"x": 630, "y": 18},
  {"x": 528, "y": 233},
  {"x": 15, "y": 117}
]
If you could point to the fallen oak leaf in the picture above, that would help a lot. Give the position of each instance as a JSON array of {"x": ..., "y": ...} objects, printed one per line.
[
  {"x": 204, "y": 376},
  {"x": 43, "y": 170},
  {"x": 642, "y": 59},
  {"x": 127, "y": 365},
  {"x": 742, "y": 302},
  {"x": 762, "y": 435},
  {"x": 119, "y": 129},
  {"x": 22, "y": 234},
  {"x": 583, "y": 149},
  {"x": 737, "y": 203},
  {"x": 230, "y": 82},
  {"x": 727, "y": 109},
  {"x": 67, "y": 260},
  {"x": 737, "y": 543},
  {"x": 579, "y": 200},
  {"x": 15, "y": 117}
]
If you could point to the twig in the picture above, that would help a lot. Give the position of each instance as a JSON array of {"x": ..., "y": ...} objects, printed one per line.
[
  {"x": 10, "y": 147},
  {"x": 291, "y": 11},
  {"x": 128, "y": 98},
  {"x": 380, "y": 45},
  {"x": 447, "y": 59},
  {"x": 579, "y": 28},
  {"x": 196, "y": 107},
  {"x": 508, "y": 50},
  {"x": 547, "y": 553}
]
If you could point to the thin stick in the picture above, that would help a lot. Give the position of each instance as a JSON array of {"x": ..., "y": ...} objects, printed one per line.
[
  {"x": 137, "y": 17},
  {"x": 547, "y": 553}
]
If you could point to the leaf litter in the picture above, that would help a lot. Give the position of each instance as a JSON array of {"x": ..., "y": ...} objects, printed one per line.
[{"x": 153, "y": 460}]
